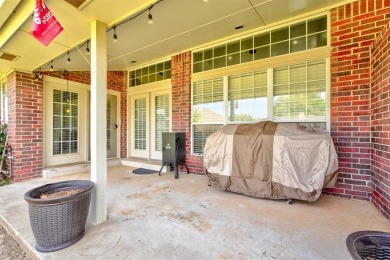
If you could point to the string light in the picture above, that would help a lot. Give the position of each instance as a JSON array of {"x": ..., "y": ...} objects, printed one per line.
[
  {"x": 150, "y": 17},
  {"x": 115, "y": 36},
  {"x": 68, "y": 60},
  {"x": 87, "y": 49}
]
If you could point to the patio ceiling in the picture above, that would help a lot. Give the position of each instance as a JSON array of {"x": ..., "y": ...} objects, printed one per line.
[{"x": 178, "y": 26}]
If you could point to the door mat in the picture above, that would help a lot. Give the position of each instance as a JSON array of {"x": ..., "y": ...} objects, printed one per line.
[{"x": 143, "y": 171}]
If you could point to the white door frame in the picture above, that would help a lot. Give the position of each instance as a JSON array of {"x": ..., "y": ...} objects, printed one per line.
[
  {"x": 82, "y": 91},
  {"x": 144, "y": 89},
  {"x": 135, "y": 152},
  {"x": 118, "y": 119},
  {"x": 157, "y": 155}
]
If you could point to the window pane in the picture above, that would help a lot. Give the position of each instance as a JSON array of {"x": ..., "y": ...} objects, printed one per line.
[
  {"x": 298, "y": 44},
  {"x": 233, "y": 47},
  {"x": 200, "y": 134},
  {"x": 303, "y": 96},
  {"x": 298, "y": 30},
  {"x": 316, "y": 70},
  {"x": 247, "y": 43},
  {"x": 247, "y": 97},
  {"x": 247, "y": 56},
  {"x": 208, "y": 101},
  {"x": 298, "y": 73},
  {"x": 279, "y": 35},
  {"x": 317, "y": 25},
  {"x": 233, "y": 59},
  {"x": 262, "y": 40},
  {"x": 262, "y": 53},
  {"x": 279, "y": 48},
  {"x": 317, "y": 40},
  {"x": 220, "y": 62},
  {"x": 208, "y": 54},
  {"x": 198, "y": 67},
  {"x": 220, "y": 51},
  {"x": 198, "y": 56}
]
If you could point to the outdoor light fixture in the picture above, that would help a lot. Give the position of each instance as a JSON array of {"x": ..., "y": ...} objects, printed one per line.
[
  {"x": 68, "y": 60},
  {"x": 150, "y": 17},
  {"x": 40, "y": 73},
  {"x": 51, "y": 66},
  {"x": 115, "y": 36},
  {"x": 87, "y": 49}
]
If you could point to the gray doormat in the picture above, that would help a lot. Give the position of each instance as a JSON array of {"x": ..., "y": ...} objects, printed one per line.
[{"x": 144, "y": 171}]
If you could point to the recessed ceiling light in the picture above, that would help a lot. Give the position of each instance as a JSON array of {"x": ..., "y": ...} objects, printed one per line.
[
  {"x": 239, "y": 27},
  {"x": 133, "y": 61},
  {"x": 252, "y": 51}
]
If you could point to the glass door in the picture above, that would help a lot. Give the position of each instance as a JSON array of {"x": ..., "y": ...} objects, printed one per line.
[
  {"x": 160, "y": 121},
  {"x": 139, "y": 127}
]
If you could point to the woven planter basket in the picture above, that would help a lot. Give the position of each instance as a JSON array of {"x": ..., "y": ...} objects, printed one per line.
[{"x": 58, "y": 222}]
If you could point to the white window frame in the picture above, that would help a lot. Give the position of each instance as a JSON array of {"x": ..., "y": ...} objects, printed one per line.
[{"x": 269, "y": 99}]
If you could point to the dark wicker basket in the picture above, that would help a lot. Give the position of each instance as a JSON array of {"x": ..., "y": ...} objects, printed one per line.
[
  {"x": 59, "y": 222},
  {"x": 369, "y": 245}
]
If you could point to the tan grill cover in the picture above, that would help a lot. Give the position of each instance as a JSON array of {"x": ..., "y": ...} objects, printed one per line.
[{"x": 271, "y": 160}]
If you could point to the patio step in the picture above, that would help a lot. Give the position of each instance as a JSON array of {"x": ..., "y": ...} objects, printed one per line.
[{"x": 66, "y": 169}]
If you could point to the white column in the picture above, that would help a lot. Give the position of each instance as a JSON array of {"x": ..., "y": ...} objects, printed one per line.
[{"x": 98, "y": 121}]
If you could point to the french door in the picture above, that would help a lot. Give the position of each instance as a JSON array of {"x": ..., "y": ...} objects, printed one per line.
[
  {"x": 112, "y": 126},
  {"x": 65, "y": 123},
  {"x": 150, "y": 116}
]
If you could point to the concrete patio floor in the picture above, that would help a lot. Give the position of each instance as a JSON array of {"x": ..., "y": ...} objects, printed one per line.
[{"x": 159, "y": 217}]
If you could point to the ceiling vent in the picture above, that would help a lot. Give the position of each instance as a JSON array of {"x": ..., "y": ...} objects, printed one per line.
[{"x": 8, "y": 56}]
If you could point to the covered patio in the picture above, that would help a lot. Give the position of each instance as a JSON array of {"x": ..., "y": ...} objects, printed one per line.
[{"x": 159, "y": 217}]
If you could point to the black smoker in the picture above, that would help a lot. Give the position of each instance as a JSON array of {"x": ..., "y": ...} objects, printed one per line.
[{"x": 173, "y": 151}]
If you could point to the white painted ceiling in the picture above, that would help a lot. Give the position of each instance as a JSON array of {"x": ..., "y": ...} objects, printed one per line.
[{"x": 179, "y": 25}]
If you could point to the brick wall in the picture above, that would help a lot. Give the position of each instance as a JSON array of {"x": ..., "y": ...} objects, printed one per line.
[
  {"x": 25, "y": 125},
  {"x": 25, "y": 129},
  {"x": 380, "y": 122},
  {"x": 353, "y": 29},
  {"x": 181, "y": 105}
]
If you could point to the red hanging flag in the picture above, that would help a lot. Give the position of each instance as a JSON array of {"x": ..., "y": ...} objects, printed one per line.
[{"x": 45, "y": 25}]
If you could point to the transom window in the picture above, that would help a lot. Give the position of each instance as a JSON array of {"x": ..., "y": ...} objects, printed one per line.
[
  {"x": 297, "y": 37},
  {"x": 150, "y": 74},
  {"x": 298, "y": 94}
]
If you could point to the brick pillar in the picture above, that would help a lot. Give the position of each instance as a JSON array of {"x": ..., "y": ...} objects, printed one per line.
[
  {"x": 181, "y": 106},
  {"x": 123, "y": 107},
  {"x": 354, "y": 27},
  {"x": 25, "y": 125},
  {"x": 380, "y": 122}
]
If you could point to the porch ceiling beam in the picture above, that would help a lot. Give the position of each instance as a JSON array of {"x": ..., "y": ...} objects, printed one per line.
[
  {"x": 16, "y": 20},
  {"x": 98, "y": 121}
]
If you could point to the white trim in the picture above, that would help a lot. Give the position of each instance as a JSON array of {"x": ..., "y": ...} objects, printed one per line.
[
  {"x": 260, "y": 30},
  {"x": 118, "y": 119},
  {"x": 82, "y": 92},
  {"x": 282, "y": 60}
]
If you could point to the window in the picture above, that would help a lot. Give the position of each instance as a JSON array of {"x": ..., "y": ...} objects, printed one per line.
[
  {"x": 297, "y": 37},
  {"x": 65, "y": 122},
  {"x": 4, "y": 102},
  {"x": 298, "y": 94},
  {"x": 150, "y": 74},
  {"x": 207, "y": 110},
  {"x": 247, "y": 97}
]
